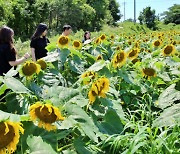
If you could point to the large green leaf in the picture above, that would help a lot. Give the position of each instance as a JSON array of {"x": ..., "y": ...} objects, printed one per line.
[
  {"x": 168, "y": 96},
  {"x": 15, "y": 85},
  {"x": 112, "y": 123},
  {"x": 97, "y": 66},
  {"x": 80, "y": 147},
  {"x": 169, "y": 117},
  {"x": 13, "y": 117},
  {"x": 38, "y": 146},
  {"x": 83, "y": 121}
]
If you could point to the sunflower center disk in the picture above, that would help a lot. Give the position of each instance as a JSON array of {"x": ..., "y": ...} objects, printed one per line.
[
  {"x": 157, "y": 43},
  {"x": 63, "y": 41},
  {"x": 29, "y": 69},
  {"x": 76, "y": 44},
  {"x": 120, "y": 57},
  {"x": 6, "y": 139},
  {"x": 168, "y": 50},
  {"x": 149, "y": 72},
  {"x": 44, "y": 115}
]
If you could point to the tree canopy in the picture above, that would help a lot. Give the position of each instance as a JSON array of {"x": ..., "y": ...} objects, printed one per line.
[
  {"x": 172, "y": 15},
  {"x": 24, "y": 15}
]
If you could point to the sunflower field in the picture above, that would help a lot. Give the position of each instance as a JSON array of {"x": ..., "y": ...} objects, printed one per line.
[{"x": 118, "y": 94}]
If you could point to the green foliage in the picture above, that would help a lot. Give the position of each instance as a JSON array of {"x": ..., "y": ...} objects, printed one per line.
[
  {"x": 138, "y": 114},
  {"x": 148, "y": 17},
  {"x": 23, "y": 15},
  {"x": 172, "y": 15}
]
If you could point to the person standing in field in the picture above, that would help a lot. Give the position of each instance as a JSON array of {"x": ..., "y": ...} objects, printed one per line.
[
  {"x": 8, "y": 52},
  {"x": 39, "y": 42},
  {"x": 87, "y": 38},
  {"x": 67, "y": 29}
]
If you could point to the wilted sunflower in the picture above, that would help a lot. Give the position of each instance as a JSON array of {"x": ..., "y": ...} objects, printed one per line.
[
  {"x": 119, "y": 59},
  {"x": 103, "y": 37},
  {"x": 42, "y": 63},
  {"x": 168, "y": 50},
  {"x": 9, "y": 136},
  {"x": 157, "y": 43},
  {"x": 63, "y": 41},
  {"x": 99, "y": 57},
  {"x": 77, "y": 44},
  {"x": 29, "y": 68},
  {"x": 149, "y": 72},
  {"x": 46, "y": 114},
  {"x": 133, "y": 53},
  {"x": 99, "y": 88},
  {"x": 88, "y": 76}
]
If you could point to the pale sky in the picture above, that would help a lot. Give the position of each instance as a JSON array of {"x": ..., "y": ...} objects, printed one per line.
[{"x": 159, "y": 5}]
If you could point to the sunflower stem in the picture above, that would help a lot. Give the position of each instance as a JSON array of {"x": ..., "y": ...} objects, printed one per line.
[{"x": 64, "y": 147}]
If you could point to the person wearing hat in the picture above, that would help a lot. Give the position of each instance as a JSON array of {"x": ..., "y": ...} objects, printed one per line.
[{"x": 39, "y": 42}]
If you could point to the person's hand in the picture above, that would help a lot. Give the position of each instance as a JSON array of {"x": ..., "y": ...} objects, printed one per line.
[{"x": 26, "y": 55}]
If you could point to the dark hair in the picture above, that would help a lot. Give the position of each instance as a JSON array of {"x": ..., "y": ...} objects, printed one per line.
[
  {"x": 39, "y": 30},
  {"x": 66, "y": 27},
  {"x": 6, "y": 37},
  {"x": 86, "y": 34}
]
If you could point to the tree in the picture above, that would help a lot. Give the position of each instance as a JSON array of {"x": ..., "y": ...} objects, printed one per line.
[
  {"x": 173, "y": 15},
  {"x": 148, "y": 17},
  {"x": 114, "y": 9}
]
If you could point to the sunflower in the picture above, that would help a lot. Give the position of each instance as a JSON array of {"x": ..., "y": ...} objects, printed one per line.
[
  {"x": 77, "y": 44},
  {"x": 9, "y": 136},
  {"x": 129, "y": 42},
  {"x": 103, "y": 37},
  {"x": 42, "y": 63},
  {"x": 29, "y": 68},
  {"x": 90, "y": 75},
  {"x": 98, "y": 41},
  {"x": 92, "y": 94},
  {"x": 112, "y": 37},
  {"x": 63, "y": 41},
  {"x": 119, "y": 59},
  {"x": 134, "y": 61},
  {"x": 149, "y": 72},
  {"x": 168, "y": 50},
  {"x": 46, "y": 114},
  {"x": 98, "y": 88},
  {"x": 99, "y": 57},
  {"x": 133, "y": 53},
  {"x": 118, "y": 48},
  {"x": 157, "y": 43}
]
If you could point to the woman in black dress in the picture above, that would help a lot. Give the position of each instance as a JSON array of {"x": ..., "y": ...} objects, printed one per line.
[
  {"x": 8, "y": 52},
  {"x": 39, "y": 42}
]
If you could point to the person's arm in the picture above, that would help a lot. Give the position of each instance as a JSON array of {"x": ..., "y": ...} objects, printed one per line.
[
  {"x": 33, "y": 54},
  {"x": 19, "y": 61}
]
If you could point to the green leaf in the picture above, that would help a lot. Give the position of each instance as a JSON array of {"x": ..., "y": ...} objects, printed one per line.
[
  {"x": 15, "y": 85},
  {"x": 80, "y": 147},
  {"x": 51, "y": 47},
  {"x": 38, "y": 146},
  {"x": 63, "y": 54},
  {"x": 97, "y": 66},
  {"x": 112, "y": 123},
  {"x": 168, "y": 96},
  {"x": 169, "y": 117},
  {"x": 52, "y": 57},
  {"x": 13, "y": 117},
  {"x": 83, "y": 121},
  {"x": 3, "y": 87}
]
